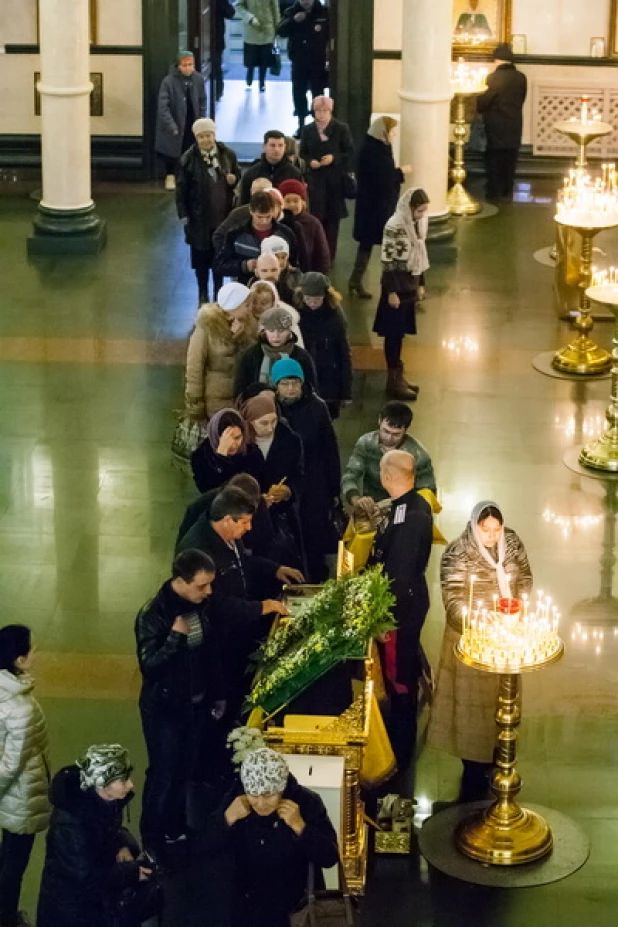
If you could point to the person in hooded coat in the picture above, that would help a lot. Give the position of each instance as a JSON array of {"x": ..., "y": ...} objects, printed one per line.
[
  {"x": 378, "y": 183},
  {"x": 182, "y": 100},
  {"x": 462, "y": 720},
  {"x": 404, "y": 262},
  {"x": 275, "y": 340},
  {"x": 90, "y": 857},
  {"x": 308, "y": 416},
  {"x": 24, "y": 769},
  {"x": 273, "y": 829}
]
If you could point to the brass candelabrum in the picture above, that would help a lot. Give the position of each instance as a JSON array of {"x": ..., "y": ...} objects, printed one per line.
[
  {"x": 505, "y": 834},
  {"x": 602, "y": 453},
  {"x": 458, "y": 200},
  {"x": 582, "y": 356}
]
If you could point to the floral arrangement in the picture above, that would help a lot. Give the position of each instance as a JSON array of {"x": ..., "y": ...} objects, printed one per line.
[
  {"x": 332, "y": 626},
  {"x": 242, "y": 741}
]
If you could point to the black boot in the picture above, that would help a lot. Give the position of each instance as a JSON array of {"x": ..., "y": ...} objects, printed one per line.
[
  {"x": 355, "y": 283},
  {"x": 397, "y": 388},
  {"x": 412, "y": 386}
]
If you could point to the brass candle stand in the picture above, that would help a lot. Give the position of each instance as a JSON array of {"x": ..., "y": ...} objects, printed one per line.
[
  {"x": 458, "y": 200},
  {"x": 582, "y": 356},
  {"x": 582, "y": 132},
  {"x": 505, "y": 834},
  {"x": 602, "y": 453}
]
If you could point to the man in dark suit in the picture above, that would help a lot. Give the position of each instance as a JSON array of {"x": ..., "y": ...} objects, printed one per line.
[
  {"x": 501, "y": 107},
  {"x": 402, "y": 546}
]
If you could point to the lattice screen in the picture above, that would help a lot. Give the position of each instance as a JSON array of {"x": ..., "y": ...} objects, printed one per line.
[{"x": 554, "y": 103}]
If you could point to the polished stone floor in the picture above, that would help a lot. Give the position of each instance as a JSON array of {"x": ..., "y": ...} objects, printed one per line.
[{"x": 90, "y": 375}]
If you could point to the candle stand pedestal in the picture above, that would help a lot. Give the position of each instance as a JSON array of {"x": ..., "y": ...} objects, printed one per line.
[
  {"x": 602, "y": 453},
  {"x": 582, "y": 356},
  {"x": 582, "y": 133},
  {"x": 505, "y": 834},
  {"x": 458, "y": 200}
]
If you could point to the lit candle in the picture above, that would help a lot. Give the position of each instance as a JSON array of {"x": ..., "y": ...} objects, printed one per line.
[{"x": 472, "y": 579}]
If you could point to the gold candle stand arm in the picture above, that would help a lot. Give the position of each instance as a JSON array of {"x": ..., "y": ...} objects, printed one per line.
[
  {"x": 582, "y": 356},
  {"x": 602, "y": 453},
  {"x": 458, "y": 200}
]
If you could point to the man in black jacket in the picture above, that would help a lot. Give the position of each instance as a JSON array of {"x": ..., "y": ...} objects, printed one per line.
[
  {"x": 501, "y": 108},
  {"x": 241, "y": 247},
  {"x": 273, "y": 165},
  {"x": 305, "y": 26},
  {"x": 403, "y": 545},
  {"x": 182, "y": 691}
]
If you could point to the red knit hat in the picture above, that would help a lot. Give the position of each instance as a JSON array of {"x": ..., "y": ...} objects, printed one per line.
[{"x": 293, "y": 188}]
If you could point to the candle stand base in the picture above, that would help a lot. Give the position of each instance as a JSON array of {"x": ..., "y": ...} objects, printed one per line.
[
  {"x": 582, "y": 357},
  {"x": 490, "y": 837},
  {"x": 460, "y": 203},
  {"x": 601, "y": 454}
]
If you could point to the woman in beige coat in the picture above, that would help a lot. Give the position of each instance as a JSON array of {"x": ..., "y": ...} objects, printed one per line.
[
  {"x": 222, "y": 332},
  {"x": 24, "y": 771}
]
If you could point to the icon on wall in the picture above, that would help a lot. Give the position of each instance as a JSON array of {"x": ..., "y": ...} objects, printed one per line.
[
  {"x": 96, "y": 97},
  {"x": 480, "y": 25}
]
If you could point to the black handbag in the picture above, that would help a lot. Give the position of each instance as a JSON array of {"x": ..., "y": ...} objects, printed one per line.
[
  {"x": 275, "y": 61},
  {"x": 140, "y": 902},
  {"x": 325, "y": 908},
  {"x": 349, "y": 185}
]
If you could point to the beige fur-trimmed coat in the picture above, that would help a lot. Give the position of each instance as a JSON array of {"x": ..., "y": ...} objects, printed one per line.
[
  {"x": 24, "y": 771},
  {"x": 211, "y": 360}
]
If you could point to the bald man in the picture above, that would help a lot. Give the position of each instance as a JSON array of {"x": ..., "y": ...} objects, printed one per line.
[{"x": 402, "y": 546}]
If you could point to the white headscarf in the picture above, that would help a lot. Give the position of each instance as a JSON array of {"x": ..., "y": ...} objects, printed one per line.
[
  {"x": 416, "y": 258},
  {"x": 498, "y": 565},
  {"x": 264, "y": 772}
]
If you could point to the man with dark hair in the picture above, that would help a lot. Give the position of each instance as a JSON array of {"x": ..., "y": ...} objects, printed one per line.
[
  {"x": 361, "y": 487},
  {"x": 242, "y": 616},
  {"x": 182, "y": 694},
  {"x": 242, "y": 245},
  {"x": 273, "y": 165}
]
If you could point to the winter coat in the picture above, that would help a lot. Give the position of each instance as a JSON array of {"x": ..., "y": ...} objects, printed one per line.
[
  {"x": 270, "y": 862},
  {"x": 223, "y": 10},
  {"x": 260, "y": 19},
  {"x": 211, "y": 361},
  {"x": 326, "y": 183},
  {"x": 172, "y": 110},
  {"x": 378, "y": 182},
  {"x": 307, "y": 40},
  {"x": 361, "y": 476},
  {"x": 257, "y": 541},
  {"x": 501, "y": 107},
  {"x": 212, "y": 470},
  {"x": 24, "y": 770},
  {"x": 81, "y": 878},
  {"x": 202, "y": 200},
  {"x": 250, "y": 364},
  {"x": 313, "y": 253},
  {"x": 326, "y": 338},
  {"x": 319, "y": 488},
  {"x": 238, "y": 217},
  {"x": 241, "y": 244},
  {"x": 172, "y": 673},
  {"x": 462, "y": 720},
  {"x": 276, "y": 173}
]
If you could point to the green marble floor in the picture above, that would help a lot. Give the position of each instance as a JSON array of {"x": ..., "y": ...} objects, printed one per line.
[{"x": 90, "y": 375}]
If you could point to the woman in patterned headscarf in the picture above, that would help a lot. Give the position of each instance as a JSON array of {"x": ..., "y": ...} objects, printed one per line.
[
  {"x": 274, "y": 828},
  {"x": 463, "y": 712}
]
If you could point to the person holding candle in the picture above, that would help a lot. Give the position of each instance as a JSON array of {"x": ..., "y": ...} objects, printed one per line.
[{"x": 487, "y": 559}]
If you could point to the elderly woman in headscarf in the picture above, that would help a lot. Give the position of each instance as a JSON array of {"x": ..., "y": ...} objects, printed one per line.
[
  {"x": 463, "y": 712},
  {"x": 225, "y": 452},
  {"x": 265, "y": 296},
  {"x": 274, "y": 829},
  {"x": 378, "y": 182},
  {"x": 276, "y": 339},
  {"x": 207, "y": 176},
  {"x": 326, "y": 146},
  {"x": 280, "y": 472},
  {"x": 404, "y": 262},
  {"x": 90, "y": 857}
]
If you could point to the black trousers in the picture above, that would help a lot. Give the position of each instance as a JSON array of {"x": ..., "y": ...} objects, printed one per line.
[
  {"x": 14, "y": 857},
  {"x": 305, "y": 77},
  {"x": 202, "y": 263},
  {"x": 500, "y": 164},
  {"x": 392, "y": 351}
]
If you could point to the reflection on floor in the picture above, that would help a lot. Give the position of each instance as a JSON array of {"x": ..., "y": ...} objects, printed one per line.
[{"x": 89, "y": 505}]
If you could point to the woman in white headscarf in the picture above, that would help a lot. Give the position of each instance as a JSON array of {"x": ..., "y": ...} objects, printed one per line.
[
  {"x": 404, "y": 262},
  {"x": 273, "y": 828},
  {"x": 463, "y": 712}
]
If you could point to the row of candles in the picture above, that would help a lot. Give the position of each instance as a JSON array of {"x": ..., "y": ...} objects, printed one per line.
[
  {"x": 465, "y": 79},
  {"x": 607, "y": 277},
  {"x": 587, "y": 201}
]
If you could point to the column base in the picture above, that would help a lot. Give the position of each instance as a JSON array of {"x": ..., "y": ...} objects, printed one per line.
[
  {"x": 440, "y": 245},
  {"x": 67, "y": 231}
]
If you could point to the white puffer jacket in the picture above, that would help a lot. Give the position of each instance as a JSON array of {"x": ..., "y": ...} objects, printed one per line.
[{"x": 24, "y": 771}]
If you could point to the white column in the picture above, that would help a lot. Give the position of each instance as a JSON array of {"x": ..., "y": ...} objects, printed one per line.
[
  {"x": 425, "y": 97},
  {"x": 66, "y": 218}
]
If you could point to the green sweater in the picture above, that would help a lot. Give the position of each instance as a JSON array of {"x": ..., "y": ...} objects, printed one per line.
[
  {"x": 361, "y": 476},
  {"x": 260, "y": 20}
]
